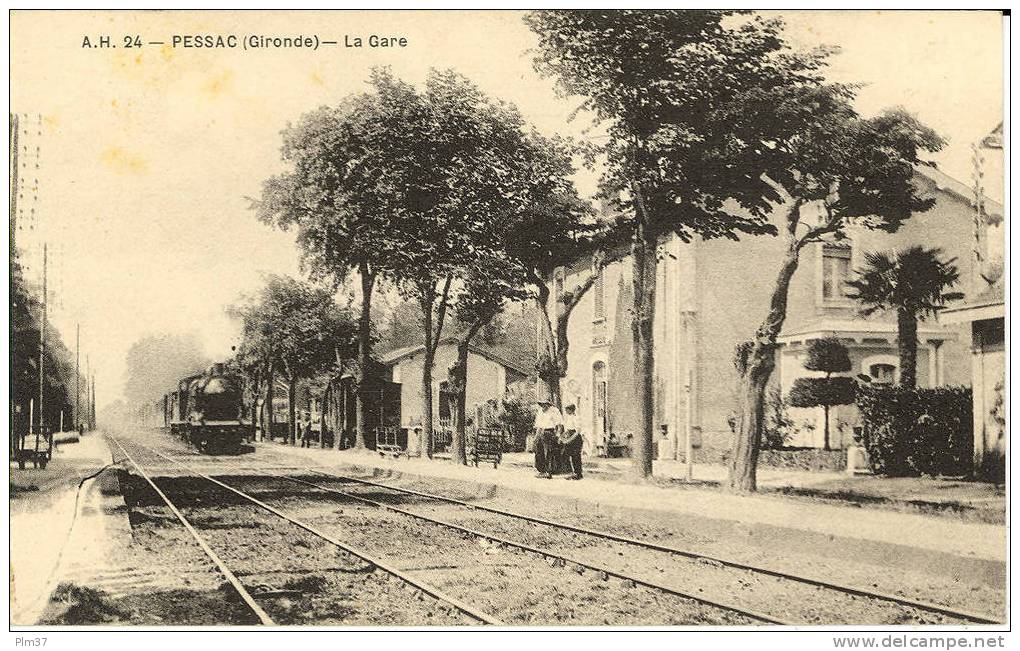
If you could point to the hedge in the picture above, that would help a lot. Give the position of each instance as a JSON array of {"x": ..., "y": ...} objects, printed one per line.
[{"x": 910, "y": 432}]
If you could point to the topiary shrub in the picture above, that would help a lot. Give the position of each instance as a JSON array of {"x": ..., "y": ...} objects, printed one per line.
[
  {"x": 911, "y": 432},
  {"x": 830, "y": 356}
]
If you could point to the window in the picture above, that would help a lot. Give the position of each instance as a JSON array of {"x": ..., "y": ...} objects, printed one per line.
[
  {"x": 835, "y": 271},
  {"x": 599, "y": 310},
  {"x": 882, "y": 373}
]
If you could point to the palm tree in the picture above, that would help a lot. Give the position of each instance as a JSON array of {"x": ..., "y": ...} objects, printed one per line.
[{"x": 912, "y": 282}]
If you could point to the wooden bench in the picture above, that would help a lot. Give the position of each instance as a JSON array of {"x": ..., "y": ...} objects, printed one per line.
[
  {"x": 442, "y": 437},
  {"x": 387, "y": 443},
  {"x": 487, "y": 446},
  {"x": 36, "y": 448}
]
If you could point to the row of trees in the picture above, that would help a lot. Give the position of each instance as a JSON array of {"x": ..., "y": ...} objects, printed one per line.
[
  {"x": 444, "y": 193},
  {"x": 713, "y": 125},
  {"x": 291, "y": 331},
  {"x": 64, "y": 388}
]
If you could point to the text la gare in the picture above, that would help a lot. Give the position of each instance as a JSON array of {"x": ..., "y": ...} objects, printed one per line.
[{"x": 375, "y": 41}]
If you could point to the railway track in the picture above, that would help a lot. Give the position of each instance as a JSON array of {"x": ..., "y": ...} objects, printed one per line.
[
  {"x": 348, "y": 492},
  {"x": 241, "y": 590},
  {"x": 965, "y": 616},
  {"x": 597, "y": 572},
  {"x": 231, "y": 578}
]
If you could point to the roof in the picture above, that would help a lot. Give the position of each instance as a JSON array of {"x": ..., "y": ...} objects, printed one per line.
[
  {"x": 994, "y": 138},
  {"x": 946, "y": 183},
  {"x": 859, "y": 329},
  {"x": 989, "y": 304},
  {"x": 397, "y": 354}
]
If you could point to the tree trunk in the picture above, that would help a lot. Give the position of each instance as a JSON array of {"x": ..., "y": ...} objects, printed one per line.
[
  {"x": 256, "y": 391},
  {"x": 426, "y": 395},
  {"x": 322, "y": 422},
  {"x": 267, "y": 419},
  {"x": 346, "y": 405},
  {"x": 458, "y": 447},
  {"x": 364, "y": 352},
  {"x": 425, "y": 440},
  {"x": 755, "y": 363},
  {"x": 292, "y": 387},
  {"x": 747, "y": 436},
  {"x": 825, "y": 441},
  {"x": 427, "y": 297},
  {"x": 330, "y": 412},
  {"x": 643, "y": 251},
  {"x": 548, "y": 371},
  {"x": 907, "y": 337}
]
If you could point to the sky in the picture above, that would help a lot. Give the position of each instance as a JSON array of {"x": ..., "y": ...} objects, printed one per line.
[{"x": 148, "y": 156}]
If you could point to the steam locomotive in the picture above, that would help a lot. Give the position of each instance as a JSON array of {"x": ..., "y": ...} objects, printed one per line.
[{"x": 207, "y": 411}]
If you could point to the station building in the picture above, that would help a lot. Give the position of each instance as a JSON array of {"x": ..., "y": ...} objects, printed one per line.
[{"x": 713, "y": 294}]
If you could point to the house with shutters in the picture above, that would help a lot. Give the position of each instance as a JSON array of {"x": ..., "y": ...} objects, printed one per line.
[{"x": 712, "y": 294}]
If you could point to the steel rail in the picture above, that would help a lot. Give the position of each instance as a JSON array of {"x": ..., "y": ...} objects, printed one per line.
[
  {"x": 382, "y": 565},
  {"x": 545, "y": 553},
  {"x": 263, "y": 616},
  {"x": 978, "y": 618}
]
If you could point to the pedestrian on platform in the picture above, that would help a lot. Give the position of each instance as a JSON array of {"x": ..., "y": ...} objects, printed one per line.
[
  {"x": 548, "y": 425},
  {"x": 306, "y": 430},
  {"x": 570, "y": 443}
]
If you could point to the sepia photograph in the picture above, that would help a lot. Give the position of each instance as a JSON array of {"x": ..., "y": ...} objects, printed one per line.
[{"x": 522, "y": 320}]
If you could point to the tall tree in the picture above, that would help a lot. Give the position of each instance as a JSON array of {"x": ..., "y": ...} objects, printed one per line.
[
  {"x": 834, "y": 169},
  {"x": 912, "y": 283},
  {"x": 59, "y": 380},
  {"x": 345, "y": 194},
  {"x": 473, "y": 173},
  {"x": 484, "y": 294},
  {"x": 660, "y": 82},
  {"x": 552, "y": 227}
]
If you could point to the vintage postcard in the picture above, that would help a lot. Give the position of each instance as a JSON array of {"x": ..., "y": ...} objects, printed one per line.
[{"x": 514, "y": 319}]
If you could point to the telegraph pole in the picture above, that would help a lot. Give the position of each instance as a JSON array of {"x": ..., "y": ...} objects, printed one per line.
[
  {"x": 42, "y": 342},
  {"x": 13, "y": 133},
  {"x": 88, "y": 392},
  {"x": 77, "y": 375},
  {"x": 13, "y": 251}
]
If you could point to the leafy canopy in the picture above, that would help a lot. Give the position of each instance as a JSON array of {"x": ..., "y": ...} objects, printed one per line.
[
  {"x": 296, "y": 326},
  {"x": 352, "y": 180},
  {"x": 663, "y": 84},
  {"x": 822, "y": 391}
]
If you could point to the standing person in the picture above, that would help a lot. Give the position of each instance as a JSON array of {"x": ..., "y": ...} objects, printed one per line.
[
  {"x": 306, "y": 430},
  {"x": 548, "y": 424},
  {"x": 571, "y": 443}
]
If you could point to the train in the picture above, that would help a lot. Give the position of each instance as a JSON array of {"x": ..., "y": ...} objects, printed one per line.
[{"x": 207, "y": 411}]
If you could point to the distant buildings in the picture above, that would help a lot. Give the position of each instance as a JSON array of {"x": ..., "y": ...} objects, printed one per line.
[{"x": 490, "y": 377}]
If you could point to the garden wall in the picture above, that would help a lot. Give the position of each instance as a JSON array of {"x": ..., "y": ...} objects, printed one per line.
[{"x": 793, "y": 458}]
